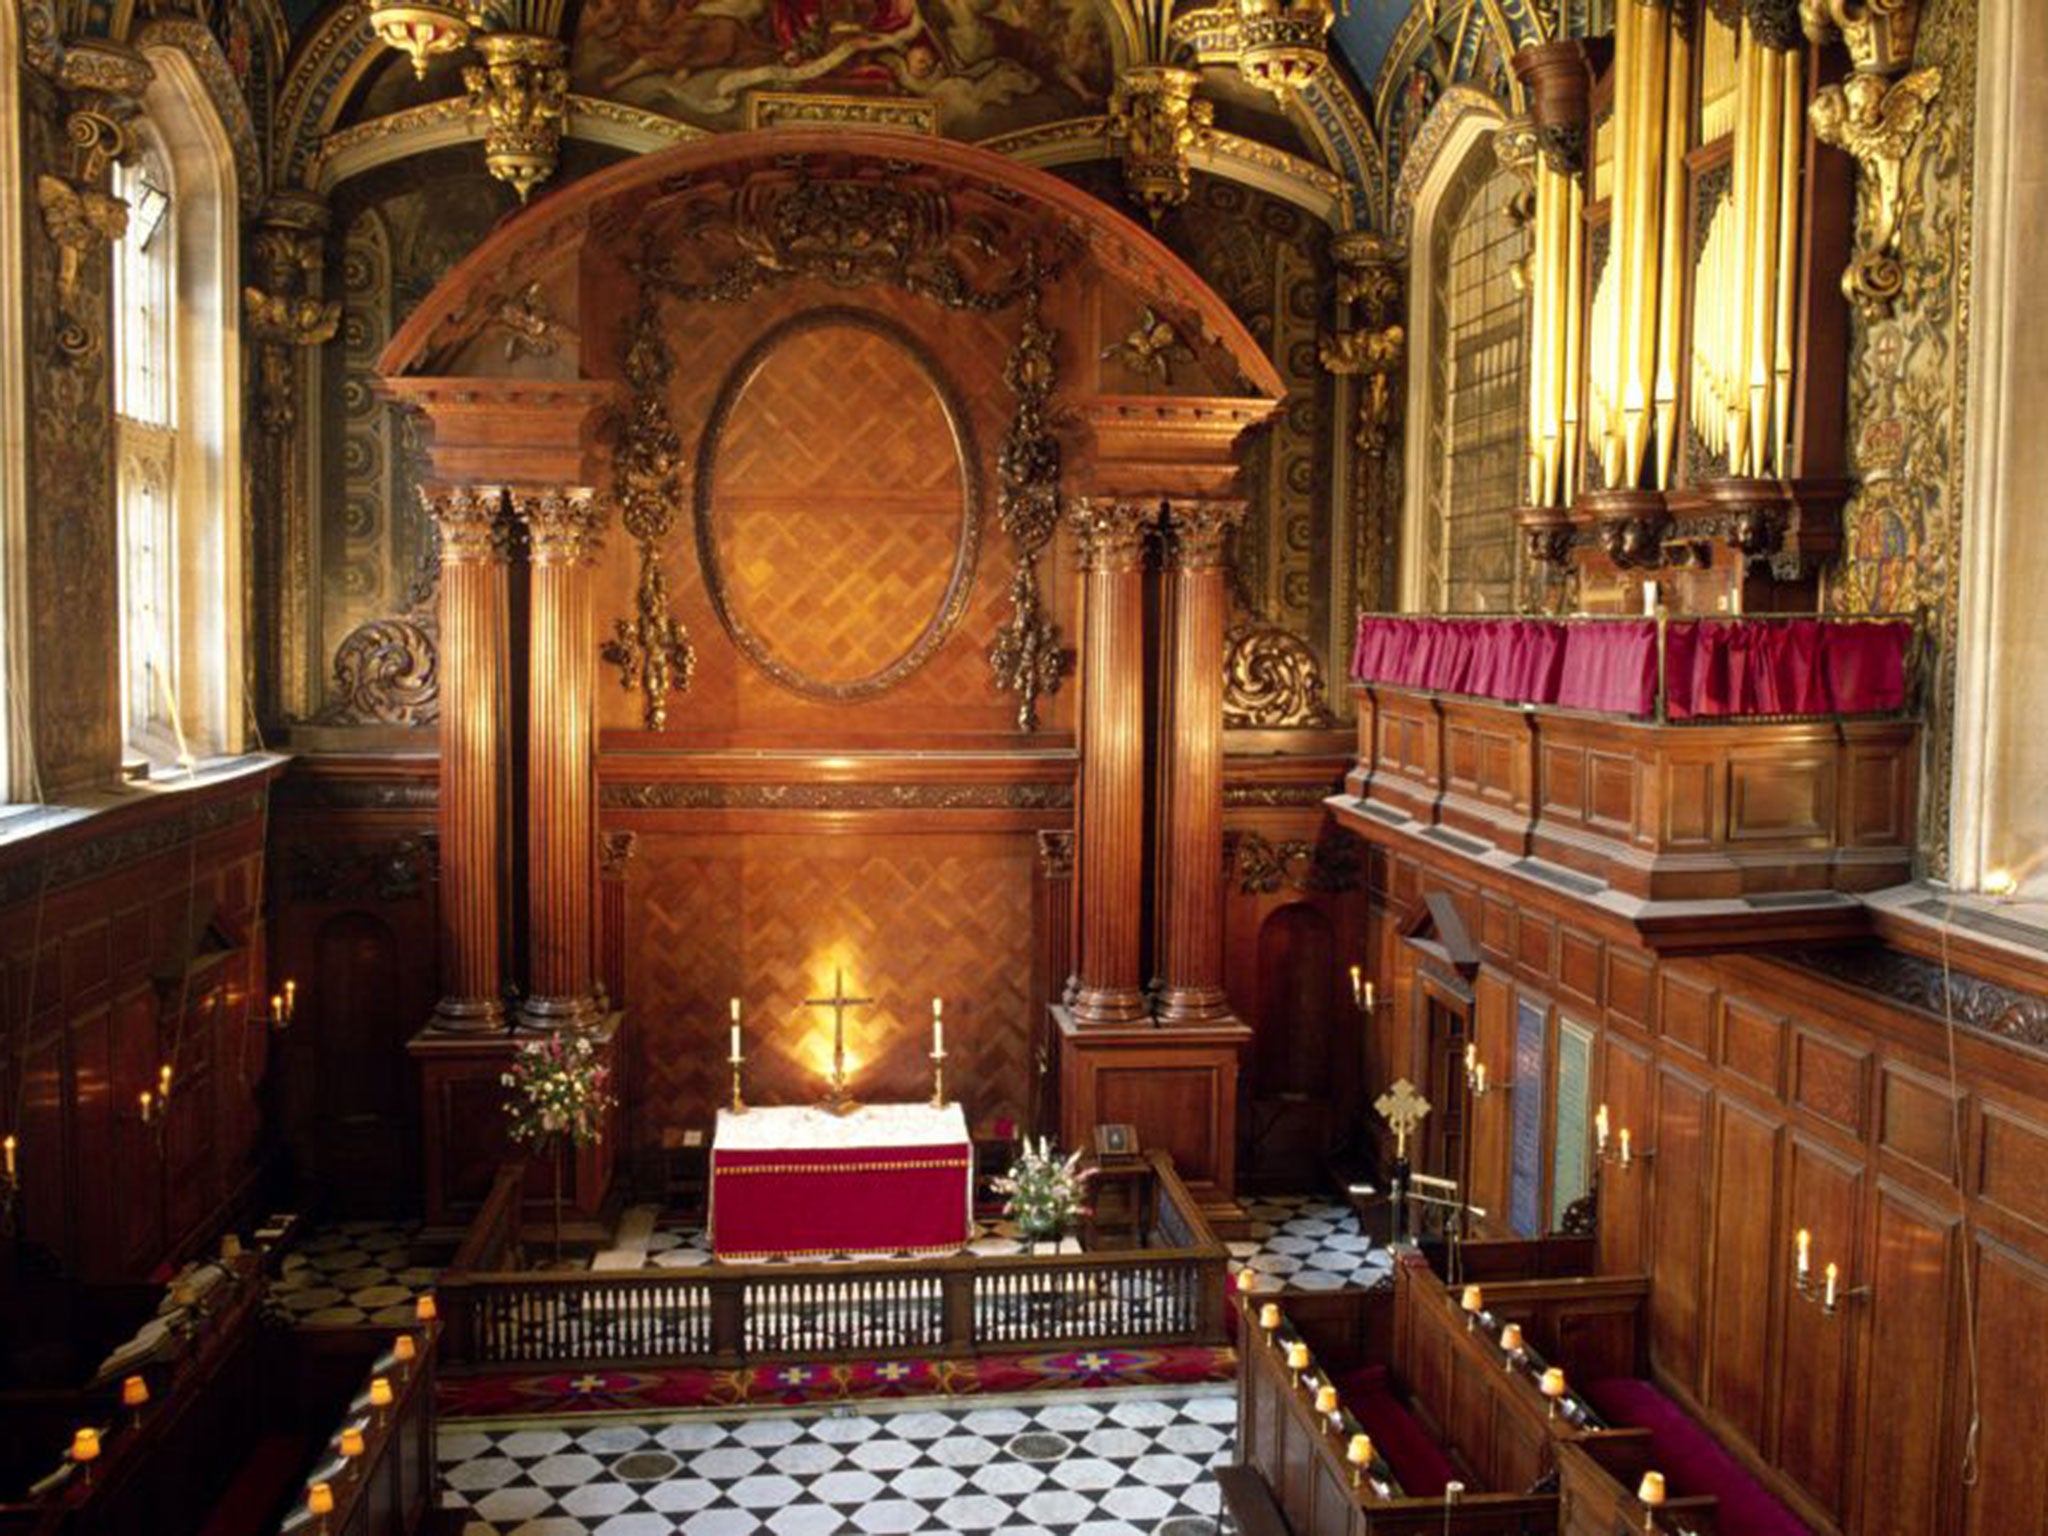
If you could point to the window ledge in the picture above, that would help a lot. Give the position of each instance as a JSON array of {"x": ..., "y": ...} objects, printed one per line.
[{"x": 22, "y": 824}]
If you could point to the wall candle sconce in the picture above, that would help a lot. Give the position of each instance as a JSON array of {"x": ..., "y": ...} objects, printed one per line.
[
  {"x": 1616, "y": 1148},
  {"x": 1363, "y": 997},
  {"x": 1830, "y": 1293},
  {"x": 1475, "y": 1075}
]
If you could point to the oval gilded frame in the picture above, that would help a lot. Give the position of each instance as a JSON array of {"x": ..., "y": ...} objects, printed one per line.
[{"x": 966, "y": 548}]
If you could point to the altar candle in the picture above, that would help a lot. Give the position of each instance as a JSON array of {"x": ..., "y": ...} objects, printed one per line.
[
  {"x": 1802, "y": 1245},
  {"x": 1600, "y": 1127},
  {"x": 1832, "y": 1274},
  {"x": 735, "y": 1042},
  {"x": 938, "y": 1027}
]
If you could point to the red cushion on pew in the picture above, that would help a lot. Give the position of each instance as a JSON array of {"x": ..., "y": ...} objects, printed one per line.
[
  {"x": 1418, "y": 1462},
  {"x": 1692, "y": 1460},
  {"x": 255, "y": 1499}
]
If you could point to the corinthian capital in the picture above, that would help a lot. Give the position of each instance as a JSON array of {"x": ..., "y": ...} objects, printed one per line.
[
  {"x": 561, "y": 524},
  {"x": 469, "y": 520},
  {"x": 1109, "y": 534},
  {"x": 1196, "y": 532}
]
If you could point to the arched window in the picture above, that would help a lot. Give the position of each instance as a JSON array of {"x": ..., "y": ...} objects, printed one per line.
[
  {"x": 1477, "y": 370},
  {"x": 177, "y": 412}
]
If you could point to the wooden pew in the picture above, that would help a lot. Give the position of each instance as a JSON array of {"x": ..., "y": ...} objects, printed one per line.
[{"x": 1300, "y": 1457}]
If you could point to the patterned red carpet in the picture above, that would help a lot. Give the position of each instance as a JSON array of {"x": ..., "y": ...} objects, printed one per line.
[{"x": 512, "y": 1394}]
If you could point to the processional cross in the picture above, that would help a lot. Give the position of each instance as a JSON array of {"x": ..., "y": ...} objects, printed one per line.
[
  {"x": 1402, "y": 1108},
  {"x": 836, "y": 1099}
]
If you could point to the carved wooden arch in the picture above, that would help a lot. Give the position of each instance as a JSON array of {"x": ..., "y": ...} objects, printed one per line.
[{"x": 555, "y": 228}]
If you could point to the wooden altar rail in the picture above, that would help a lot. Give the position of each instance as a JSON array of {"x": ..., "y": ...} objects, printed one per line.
[
  {"x": 1301, "y": 1458},
  {"x": 728, "y": 1314}
]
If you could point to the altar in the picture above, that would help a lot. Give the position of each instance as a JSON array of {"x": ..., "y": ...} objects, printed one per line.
[{"x": 797, "y": 1181}]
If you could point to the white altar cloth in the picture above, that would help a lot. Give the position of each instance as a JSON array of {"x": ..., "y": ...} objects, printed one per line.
[{"x": 810, "y": 1128}]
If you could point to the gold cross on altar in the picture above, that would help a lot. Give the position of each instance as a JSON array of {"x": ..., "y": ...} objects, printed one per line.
[
  {"x": 836, "y": 1100},
  {"x": 1402, "y": 1108}
]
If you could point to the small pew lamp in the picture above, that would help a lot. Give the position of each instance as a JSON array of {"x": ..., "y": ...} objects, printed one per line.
[
  {"x": 380, "y": 1394},
  {"x": 320, "y": 1503},
  {"x": 1511, "y": 1346},
  {"x": 351, "y": 1443},
  {"x": 1474, "y": 1302},
  {"x": 134, "y": 1393},
  {"x": 424, "y": 1309},
  {"x": 1297, "y": 1359},
  {"x": 1326, "y": 1401},
  {"x": 1245, "y": 1281},
  {"x": 403, "y": 1349},
  {"x": 1651, "y": 1492},
  {"x": 1552, "y": 1387},
  {"x": 1359, "y": 1454},
  {"x": 1269, "y": 1317},
  {"x": 85, "y": 1450}
]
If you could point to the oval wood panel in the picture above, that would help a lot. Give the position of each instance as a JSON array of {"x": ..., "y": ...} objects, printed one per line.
[{"x": 838, "y": 504}]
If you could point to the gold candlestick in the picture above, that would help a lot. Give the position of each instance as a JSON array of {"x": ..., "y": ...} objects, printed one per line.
[
  {"x": 938, "y": 1079},
  {"x": 739, "y": 1105}
]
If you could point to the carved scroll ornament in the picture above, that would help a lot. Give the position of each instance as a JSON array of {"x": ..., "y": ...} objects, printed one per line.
[
  {"x": 1272, "y": 680},
  {"x": 1879, "y": 121},
  {"x": 1026, "y": 657}
]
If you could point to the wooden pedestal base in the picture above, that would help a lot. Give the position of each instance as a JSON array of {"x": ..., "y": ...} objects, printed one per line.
[
  {"x": 1176, "y": 1087},
  {"x": 464, "y": 1140}
]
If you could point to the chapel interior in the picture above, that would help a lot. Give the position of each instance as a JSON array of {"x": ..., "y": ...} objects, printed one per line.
[{"x": 1100, "y": 767}]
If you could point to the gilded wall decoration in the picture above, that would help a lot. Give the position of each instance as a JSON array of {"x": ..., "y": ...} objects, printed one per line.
[
  {"x": 1026, "y": 657},
  {"x": 1908, "y": 395},
  {"x": 1272, "y": 679},
  {"x": 987, "y": 69},
  {"x": 1150, "y": 348},
  {"x": 651, "y": 649}
]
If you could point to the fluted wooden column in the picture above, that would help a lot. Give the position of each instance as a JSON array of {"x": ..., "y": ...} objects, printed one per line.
[
  {"x": 468, "y": 521},
  {"x": 1190, "y": 889},
  {"x": 1110, "y": 535},
  {"x": 561, "y": 794}
]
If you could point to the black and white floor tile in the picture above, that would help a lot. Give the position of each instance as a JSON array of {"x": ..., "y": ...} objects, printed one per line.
[
  {"x": 360, "y": 1272},
  {"x": 1307, "y": 1243},
  {"x": 1113, "y": 1466}
]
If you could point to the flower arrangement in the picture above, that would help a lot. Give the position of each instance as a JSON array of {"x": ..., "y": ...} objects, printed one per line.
[
  {"x": 559, "y": 1089},
  {"x": 1046, "y": 1191}
]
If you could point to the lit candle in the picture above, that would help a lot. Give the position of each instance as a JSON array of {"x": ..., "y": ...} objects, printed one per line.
[
  {"x": 424, "y": 1309},
  {"x": 1357, "y": 984},
  {"x": 1479, "y": 1078},
  {"x": 85, "y": 1445},
  {"x": 380, "y": 1392},
  {"x": 134, "y": 1392},
  {"x": 403, "y": 1348},
  {"x": 735, "y": 1005},
  {"x": 147, "y": 1102},
  {"x": 291, "y": 997},
  {"x": 1326, "y": 1399},
  {"x": 1297, "y": 1356},
  {"x": 351, "y": 1441},
  {"x": 1831, "y": 1274},
  {"x": 1624, "y": 1146},
  {"x": 1370, "y": 1001},
  {"x": 7, "y": 1151},
  {"x": 1802, "y": 1252},
  {"x": 320, "y": 1499},
  {"x": 277, "y": 1008},
  {"x": 1600, "y": 1127},
  {"x": 1471, "y": 1056},
  {"x": 735, "y": 1042},
  {"x": 1511, "y": 1338},
  {"x": 938, "y": 1027},
  {"x": 163, "y": 1080},
  {"x": 1649, "y": 599},
  {"x": 1269, "y": 1316}
]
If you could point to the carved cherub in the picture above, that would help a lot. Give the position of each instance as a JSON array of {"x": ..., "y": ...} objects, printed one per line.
[
  {"x": 1152, "y": 347},
  {"x": 77, "y": 218}
]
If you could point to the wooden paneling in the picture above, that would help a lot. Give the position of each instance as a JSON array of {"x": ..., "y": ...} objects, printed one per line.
[
  {"x": 1824, "y": 1195},
  {"x": 1915, "y": 1120},
  {"x": 1739, "y": 1290},
  {"x": 2012, "y": 1165},
  {"x": 1910, "y": 1373},
  {"x": 2011, "y": 1491},
  {"x": 1678, "y": 1251},
  {"x": 1753, "y": 1044},
  {"x": 1630, "y": 978},
  {"x": 1685, "y": 1011},
  {"x": 1831, "y": 1079},
  {"x": 1628, "y": 1092},
  {"x": 1578, "y": 966}
]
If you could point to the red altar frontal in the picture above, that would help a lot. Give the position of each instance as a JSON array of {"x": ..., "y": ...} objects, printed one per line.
[{"x": 802, "y": 1182}]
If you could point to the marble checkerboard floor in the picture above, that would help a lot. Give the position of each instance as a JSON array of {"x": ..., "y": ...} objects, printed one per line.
[
  {"x": 1116, "y": 1465},
  {"x": 355, "y": 1272}
]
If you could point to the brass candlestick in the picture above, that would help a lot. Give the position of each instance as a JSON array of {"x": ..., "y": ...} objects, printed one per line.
[
  {"x": 739, "y": 1105},
  {"x": 938, "y": 1079}
]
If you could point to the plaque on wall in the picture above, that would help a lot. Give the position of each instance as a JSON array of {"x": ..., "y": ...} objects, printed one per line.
[
  {"x": 1568, "y": 1155},
  {"x": 1525, "y": 1185}
]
